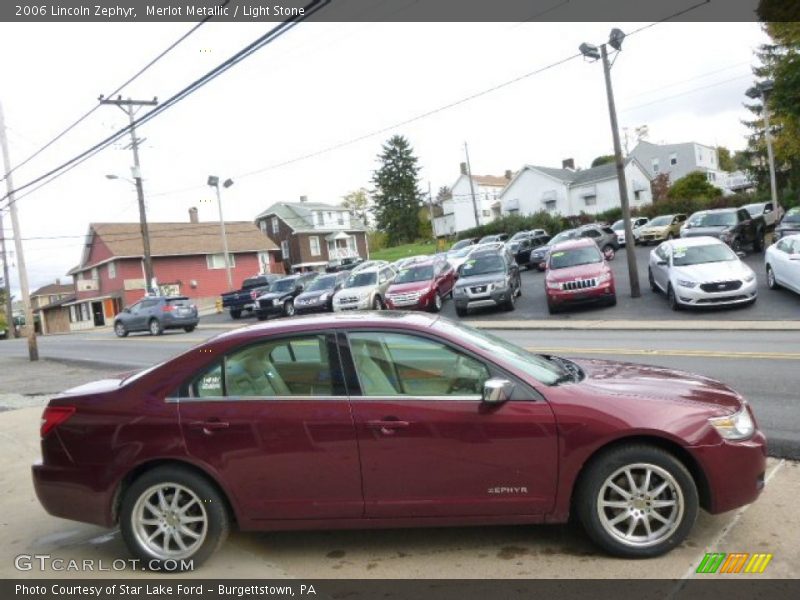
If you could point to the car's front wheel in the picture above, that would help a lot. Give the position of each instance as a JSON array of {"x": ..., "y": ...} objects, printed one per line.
[
  {"x": 672, "y": 299},
  {"x": 436, "y": 306},
  {"x": 120, "y": 330},
  {"x": 288, "y": 308},
  {"x": 173, "y": 519},
  {"x": 771, "y": 281},
  {"x": 637, "y": 501}
]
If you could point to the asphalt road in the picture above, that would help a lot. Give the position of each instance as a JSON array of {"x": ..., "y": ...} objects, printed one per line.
[{"x": 763, "y": 366}]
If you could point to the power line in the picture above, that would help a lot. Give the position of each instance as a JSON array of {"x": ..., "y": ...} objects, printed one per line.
[
  {"x": 686, "y": 93},
  {"x": 130, "y": 80},
  {"x": 273, "y": 34}
]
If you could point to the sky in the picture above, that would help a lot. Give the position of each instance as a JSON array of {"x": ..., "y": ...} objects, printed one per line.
[{"x": 324, "y": 84}]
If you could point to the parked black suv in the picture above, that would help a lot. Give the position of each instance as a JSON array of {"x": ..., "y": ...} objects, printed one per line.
[
  {"x": 279, "y": 299},
  {"x": 245, "y": 298},
  {"x": 318, "y": 295},
  {"x": 522, "y": 246},
  {"x": 156, "y": 314}
]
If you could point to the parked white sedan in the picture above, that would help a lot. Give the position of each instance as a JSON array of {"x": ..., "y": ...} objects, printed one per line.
[
  {"x": 782, "y": 261},
  {"x": 701, "y": 271}
]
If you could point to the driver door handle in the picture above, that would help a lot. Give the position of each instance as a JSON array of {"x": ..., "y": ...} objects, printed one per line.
[
  {"x": 388, "y": 426},
  {"x": 209, "y": 426}
]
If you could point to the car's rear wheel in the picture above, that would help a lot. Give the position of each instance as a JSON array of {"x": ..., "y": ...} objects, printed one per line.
[
  {"x": 637, "y": 501},
  {"x": 672, "y": 299},
  {"x": 190, "y": 328},
  {"x": 155, "y": 327},
  {"x": 436, "y": 306},
  {"x": 120, "y": 330},
  {"x": 236, "y": 314},
  {"x": 173, "y": 519},
  {"x": 771, "y": 281}
]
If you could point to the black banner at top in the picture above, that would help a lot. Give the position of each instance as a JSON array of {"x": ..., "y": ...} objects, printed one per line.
[{"x": 152, "y": 11}]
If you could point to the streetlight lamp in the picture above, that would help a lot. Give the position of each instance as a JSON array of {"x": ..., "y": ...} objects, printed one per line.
[
  {"x": 136, "y": 182},
  {"x": 594, "y": 53},
  {"x": 213, "y": 181},
  {"x": 762, "y": 90}
]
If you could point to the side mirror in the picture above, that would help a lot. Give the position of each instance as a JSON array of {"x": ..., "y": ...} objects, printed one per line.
[{"x": 497, "y": 391}]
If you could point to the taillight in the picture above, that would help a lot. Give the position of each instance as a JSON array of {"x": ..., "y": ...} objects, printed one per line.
[
  {"x": 53, "y": 416},
  {"x": 166, "y": 308}
]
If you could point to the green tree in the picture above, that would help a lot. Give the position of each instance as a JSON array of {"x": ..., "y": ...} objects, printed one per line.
[
  {"x": 443, "y": 194},
  {"x": 397, "y": 198},
  {"x": 603, "y": 159},
  {"x": 726, "y": 162},
  {"x": 357, "y": 202},
  {"x": 693, "y": 186}
]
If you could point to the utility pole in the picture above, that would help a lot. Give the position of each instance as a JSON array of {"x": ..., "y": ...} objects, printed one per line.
[
  {"x": 6, "y": 281},
  {"x": 773, "y": 184},
  {"x": 127, "y": 107},
  {"x": 472, "y": 187},
  {"x": 33, "y": 349}
]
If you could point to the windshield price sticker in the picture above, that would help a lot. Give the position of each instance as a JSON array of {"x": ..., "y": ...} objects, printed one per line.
[{"x": 557, "y": 254}]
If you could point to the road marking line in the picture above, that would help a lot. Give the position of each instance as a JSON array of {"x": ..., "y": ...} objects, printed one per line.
[
  {"x": 692, "y": 570},
  {"x": 688, "y": 353}
]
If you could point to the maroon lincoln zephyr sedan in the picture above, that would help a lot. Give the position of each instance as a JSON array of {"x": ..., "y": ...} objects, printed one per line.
[{"x": 393, "y": 420}]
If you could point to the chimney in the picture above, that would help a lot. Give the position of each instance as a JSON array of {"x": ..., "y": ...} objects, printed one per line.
[
  {"x": 303, "y": 198},
  {"x": 509, "y": 175},
  {"x": 58, "y": 281},
  {"x": 463, "y": 168},
  {"x": 568, "y": 163},
  {"x": 193, "y": 215}
]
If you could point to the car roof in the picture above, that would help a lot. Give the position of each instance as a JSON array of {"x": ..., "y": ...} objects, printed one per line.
[{"x": 570, "y": 244}]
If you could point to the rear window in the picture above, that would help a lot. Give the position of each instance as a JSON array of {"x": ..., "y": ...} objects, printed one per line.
[
  {"x": 253, "y": 282},
  {"x": 179, "y": 302}
]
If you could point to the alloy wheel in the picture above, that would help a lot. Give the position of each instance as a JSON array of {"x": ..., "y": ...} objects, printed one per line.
[
  {"x": 771, "y": 278},
  {"x": 119, "y": 329},
  {"x": 169, "y": 521},
  {"x": 640, "y": 505},
  {"x": 288, "y": 308},
  {"x": 437, "y": 302}
]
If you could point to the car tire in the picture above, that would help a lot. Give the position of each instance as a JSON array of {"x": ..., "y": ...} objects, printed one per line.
[
  {"x": 736, "y": 244},
  {"x": 758, "y": 243},
  {"x": 461, "y": 312},
  {"x": 377, "y": 304},
  {"x": 552, "y": 309},
  {"x": 672, "y": 299},
  {"x": 190, "y": 328},
  {"x": 288, "y": 308},
  {"x": 772, "y": 283},
  {"x": 261, "y": 316},
  {"x": 652, "y": 281},
  {"x": 511, "y": 303},
  {"x": 236, "y": 314},
  {"x": 203, "y": 503},
  {"x": 155, "y": 327},
  {"x": 608, "y": 474},
  {"x": 612, "y": 301},
  {"x": 120, "y": 331},
  {"x": 436, "y": 305}
]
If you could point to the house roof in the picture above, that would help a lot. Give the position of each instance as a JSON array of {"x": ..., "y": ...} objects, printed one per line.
[
  {"x": 56, "y": 304},
  {"x": 54, "y": 289},
  {"x": 299, "y": 215},
  {"x": 176, "y": 239}
]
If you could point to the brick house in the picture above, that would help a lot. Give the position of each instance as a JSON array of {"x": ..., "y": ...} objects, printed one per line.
[
  {"x": 187, "y": 260},
  {"x": 47, "y": 303},
  {"x": 310, "y": 234}
]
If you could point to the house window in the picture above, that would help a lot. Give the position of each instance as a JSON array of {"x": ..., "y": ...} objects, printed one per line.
[
  {"x": 711, "y": 176},
  {"x": 263, "y": 226},
  {"x": 95, "y": 273},
  {"x": 550, "y": 205},
  {"x": 320, "y": 218},
  {"x": 340, "y": 218},
  {"x": 73, "y": 314},
  {"x": 487, "y": 213},
  {"x": 274, "y": 225},
  {"x": 217, "y": 261},
  {"x": 285, "y": 249},
  {"x": 313, "y": 242},
  {"x": 112, "y": 270},
  {"x": 84, "y": 311},
  {"x": 263, "y": 262},
  {"x": 655, "y": 165},
  {"x": 673, "y": 159},
  {"x": 590, "y": 200}
]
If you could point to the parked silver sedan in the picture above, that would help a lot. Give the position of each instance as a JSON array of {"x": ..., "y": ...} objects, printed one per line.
[{"x": 701, "y": 271}]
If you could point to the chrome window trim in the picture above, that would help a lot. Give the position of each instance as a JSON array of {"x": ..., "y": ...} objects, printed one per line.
[{"x": 415, "y": 398}]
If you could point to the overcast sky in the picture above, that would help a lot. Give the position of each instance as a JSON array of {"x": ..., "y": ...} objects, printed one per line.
[{"x": 322, "y": 84}]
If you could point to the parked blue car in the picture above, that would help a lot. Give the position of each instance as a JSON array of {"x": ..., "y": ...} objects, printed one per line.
[{"x": 156, "y": 314}]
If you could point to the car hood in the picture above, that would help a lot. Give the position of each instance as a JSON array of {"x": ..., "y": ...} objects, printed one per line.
[
  {"x": 272, "y": 295},
  {"x": 698, "y": 231},
  {"x": 480, "y": 279},
  {"x": 717, "y": 271},
  {"x": 315, "y": 295},
  {"x": 577, "y": 272},
  {"x": 411, "y": 286},
  {"x": 356, "y": 291},
  {"x": 658, "y": 384}
]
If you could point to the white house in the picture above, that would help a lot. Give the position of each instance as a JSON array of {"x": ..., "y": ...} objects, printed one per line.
[
  {"x": 458, "y": 212},
  {"x": 568, "y": 191},
  {"x": 678, "y": 160}
]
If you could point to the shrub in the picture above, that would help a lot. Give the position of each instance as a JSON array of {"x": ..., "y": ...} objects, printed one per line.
[{"x": 377, "y": 240}]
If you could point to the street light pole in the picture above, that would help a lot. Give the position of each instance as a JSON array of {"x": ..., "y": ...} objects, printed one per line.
[
  {"x": 773, "y": 184},
  {"x": 213, "y": 181},
  {"x": 593, "y": 52}
]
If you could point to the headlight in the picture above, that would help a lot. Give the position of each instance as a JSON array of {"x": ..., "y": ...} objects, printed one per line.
[
  {"x": 686, "y": 283},
  {"x": 324, "y": 296},
  {"x": 276, "y": 302},
  {"x": 749, "y": 278},
  {"x": 497, "y": 285},
  {"x": 460, "y": 291},
  {"x": 553, "y": 285},
  {"x": 738, "y": 426},
  {"x": 604, "y": 277}
]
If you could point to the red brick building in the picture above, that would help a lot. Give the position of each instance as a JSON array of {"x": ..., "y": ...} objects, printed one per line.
[{"x": 187, "y": 260}]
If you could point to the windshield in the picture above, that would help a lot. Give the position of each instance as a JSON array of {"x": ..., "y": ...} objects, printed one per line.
[
  {"x": 488, "y": 238},
  {"x": 755, "y": 210},
  {"x": 253, "y": 282},
  {"x": 573, "y": 257},
  {"x": 322, "y": 283},
  {"x": 519, "y": 235},
  {"x": 563, "y": 236},
  {"x": 792, "y": 216},
  {"x": 282, "y": 285},
  {"x": 619, "y": 225},
  {"x": 362, "y": 279},
  {"x": 460, "y": 253},
  {"x": 418, "y": 273},
  {"x": 534, "y": 365},
  {"x": 460, "y": 244},
  {"x": 698, "y": 255},
  {"x": 491, "y": 263},
  {"x": 720, "y": 219},
  {"x": 661, "y": 221}
]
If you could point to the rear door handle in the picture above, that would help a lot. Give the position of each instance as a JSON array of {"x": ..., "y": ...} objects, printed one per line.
[{"x": 388, "y": 426}]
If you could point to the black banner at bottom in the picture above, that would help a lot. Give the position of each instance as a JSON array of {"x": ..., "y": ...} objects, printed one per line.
[{"x": 395, "y": 589}]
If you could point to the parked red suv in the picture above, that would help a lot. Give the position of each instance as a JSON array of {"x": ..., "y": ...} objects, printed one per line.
[
  {"x": 577, "y": 273},
  {"x": 392, "y": 420},
  {"x": 422, "y": 285}
]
